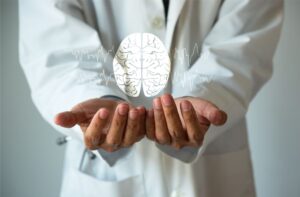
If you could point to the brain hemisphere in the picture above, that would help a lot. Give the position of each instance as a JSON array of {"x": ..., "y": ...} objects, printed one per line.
[{"x": 141, "y": 62}]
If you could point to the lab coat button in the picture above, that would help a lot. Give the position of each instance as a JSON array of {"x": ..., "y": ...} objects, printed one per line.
[
  {"x": 158, "y": 22},
  {"x": 176, "y": 193}
]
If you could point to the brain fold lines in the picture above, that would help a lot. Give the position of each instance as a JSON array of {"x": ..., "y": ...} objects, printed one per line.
[{"x": 141, "y": 62}]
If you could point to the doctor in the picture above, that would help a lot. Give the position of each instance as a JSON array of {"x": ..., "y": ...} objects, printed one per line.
[{"x": 193, "y": 142}]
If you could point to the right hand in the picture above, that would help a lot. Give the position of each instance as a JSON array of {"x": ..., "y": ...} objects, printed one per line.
[{"x": 105, "y": 123}]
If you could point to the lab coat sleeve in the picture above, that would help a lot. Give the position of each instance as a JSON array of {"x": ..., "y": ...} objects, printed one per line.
[
  {"x": 235, "y": 63},
  {"x": 63, "y": 59}
]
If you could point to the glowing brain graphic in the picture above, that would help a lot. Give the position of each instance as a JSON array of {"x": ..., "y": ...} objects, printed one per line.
[{"x": 141, "y": 62}]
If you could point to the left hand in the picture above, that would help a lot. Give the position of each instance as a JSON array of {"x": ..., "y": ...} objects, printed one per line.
[{"x": 183, "y": 121}]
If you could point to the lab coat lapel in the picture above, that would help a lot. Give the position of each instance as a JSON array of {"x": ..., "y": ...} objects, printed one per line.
[{"x": 175, "y": 8}]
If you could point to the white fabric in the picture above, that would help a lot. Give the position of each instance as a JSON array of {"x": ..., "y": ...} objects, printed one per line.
[{"x": 220, "y": 50}]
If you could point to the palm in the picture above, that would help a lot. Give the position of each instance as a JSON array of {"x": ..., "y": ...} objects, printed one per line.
[
  {"x": 106, "y": 123},
  {"x": 89, "y": 108}
]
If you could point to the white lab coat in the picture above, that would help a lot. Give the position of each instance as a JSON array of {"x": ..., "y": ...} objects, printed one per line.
[{"x": 220, "y": 50}]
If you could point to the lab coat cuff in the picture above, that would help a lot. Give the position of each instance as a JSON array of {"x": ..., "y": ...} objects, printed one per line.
[
  {"x": 112, "y": 158},
  {"x": 112, "y": 97},
  {"x": 185, "y": 154}
]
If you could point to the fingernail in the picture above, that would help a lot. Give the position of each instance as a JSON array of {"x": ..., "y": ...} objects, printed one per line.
[
  {"x": 157, "y": 103},
  {"x": 141, "y": 109},
  {"x": 214, "y": 116},
  {"x": 185, "y": 106},
  {"x": 123, "y": 109},
  {"x": 103, "y": 113},
  {"x": 166, "y": 100},
  {"x": 67, "y": 117},
  {"x": 133, "y": 114},
  {"x": 220, "y": 117}
]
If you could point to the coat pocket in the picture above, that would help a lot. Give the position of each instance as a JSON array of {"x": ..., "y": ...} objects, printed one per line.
[{"x": 79, "y": 184}]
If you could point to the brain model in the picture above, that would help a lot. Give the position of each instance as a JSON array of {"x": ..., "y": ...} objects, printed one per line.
[{"x": 141, "y": 62}]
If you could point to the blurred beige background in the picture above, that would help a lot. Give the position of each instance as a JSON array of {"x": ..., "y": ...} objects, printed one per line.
[{"x": 31, "y": 163}]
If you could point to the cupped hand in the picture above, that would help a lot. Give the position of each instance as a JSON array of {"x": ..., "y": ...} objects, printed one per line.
[
  {"x": 105, "y": 123},
  {"x": 183, "y": 121}
]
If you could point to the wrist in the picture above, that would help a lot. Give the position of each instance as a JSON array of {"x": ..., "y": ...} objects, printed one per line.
[{"x": 112, "y": 97}]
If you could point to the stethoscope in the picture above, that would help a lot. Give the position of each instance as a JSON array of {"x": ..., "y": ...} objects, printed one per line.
[{"x": 60, "y": 141}]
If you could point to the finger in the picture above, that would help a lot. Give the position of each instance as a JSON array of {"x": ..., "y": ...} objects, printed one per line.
[
  {"x": 150, "y": 125},
  {"x": 142, "y": 114},
  {"x": 93, "y": 134},
  {"x": 212, "y": 113},
  {"x": 172, "y": 118},
  {"x": 217, "y": 117},
  {"x": 132, "y": 128},
  {"x": 194, "y": 131},
  {"x": 115, "y": 133},
  {"x": 69, "y": 119},
  {"x": 204, "y": 123},
  {"x": 161, "y": 129}
]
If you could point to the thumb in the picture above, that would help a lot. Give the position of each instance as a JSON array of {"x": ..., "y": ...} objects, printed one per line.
[
  {"x": 69, "y": 119},
  {"x": 212, "y": 113}
]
